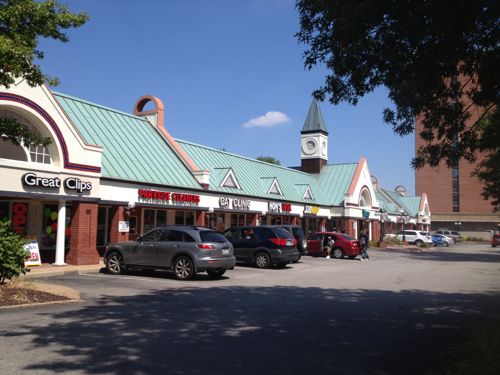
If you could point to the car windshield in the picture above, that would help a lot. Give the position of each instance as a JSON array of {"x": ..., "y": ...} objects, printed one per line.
[
  {"x": 209, "y": 236},
  {"x": 455, "y": 233},
  {"x": 347, "y": 237}
]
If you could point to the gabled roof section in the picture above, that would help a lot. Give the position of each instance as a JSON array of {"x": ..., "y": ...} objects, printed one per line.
[
  {"x": 230, "y": 180},
  {"x": 335, "y": 180},
  {"x": 134, "y": 150},
  {"x": 308, "y": 193},
  {"x": 275, "y": 188},
  {"x": 314, "y": 120},
  {"x": 255, "y": 177}
]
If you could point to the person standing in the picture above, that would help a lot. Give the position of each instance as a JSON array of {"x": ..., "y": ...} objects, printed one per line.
[
  {"x": 363, "y": 243},
  {"x": 329, "y": 242}
]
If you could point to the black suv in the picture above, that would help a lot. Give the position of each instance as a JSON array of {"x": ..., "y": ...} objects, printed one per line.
[
  {"x": 298, "y": 233},
  {"x": 183, "y": 249},
  {"x": 262, "y": 245}
]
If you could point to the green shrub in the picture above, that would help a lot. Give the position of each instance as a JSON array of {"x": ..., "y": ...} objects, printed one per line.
[
  {"x": 373, "y": 243},
  {"x": 12, "y": 253},
  {"x": 393, "y": 240}
]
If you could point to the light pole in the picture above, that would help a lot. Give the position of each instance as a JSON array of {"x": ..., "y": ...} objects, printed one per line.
[
  {"x": 383, "y": 216},
  {"x": 403, "y": 219}
]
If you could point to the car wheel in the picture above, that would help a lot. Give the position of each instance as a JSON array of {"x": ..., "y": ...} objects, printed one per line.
[
  {"x": 114, "y": 263},
  {"x": 446, "y": 244},
  {"x": 183, "y": 268},
  {"x": 262, "y": 260},
  {"x": 338, "y": 253},
  {"x": 216, "y": 273},
  {"x": 300, "y": 256},
  {"x": 419, "y": 243}
]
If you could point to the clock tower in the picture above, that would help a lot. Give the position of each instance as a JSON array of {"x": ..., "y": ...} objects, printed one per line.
[{"x": 313, "y": 141}]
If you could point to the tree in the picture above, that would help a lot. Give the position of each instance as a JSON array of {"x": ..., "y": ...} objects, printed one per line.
[
  {"x": 269, "y": 159},
  {"x": 438, "y": 60},
  {"x": 22, "y": 23}
]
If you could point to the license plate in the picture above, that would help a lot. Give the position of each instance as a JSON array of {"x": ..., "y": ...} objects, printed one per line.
[
  {"x": 225, "y": 251},
  {"x": 289, "y": 242}
]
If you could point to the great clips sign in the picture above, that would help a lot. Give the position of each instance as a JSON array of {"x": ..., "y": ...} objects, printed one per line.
[
  {"x": 70, "y": 183},
  {"x": 154, "y": 196}
]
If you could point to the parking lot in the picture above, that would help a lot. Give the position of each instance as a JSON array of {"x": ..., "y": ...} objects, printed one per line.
[{"x": 397, "y": 313}]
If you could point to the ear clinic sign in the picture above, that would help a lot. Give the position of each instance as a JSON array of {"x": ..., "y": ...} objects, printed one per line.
[
  {"x": 166, "y": 197},
  {"x": 311, "y": 210},
  {"x": 234, "y": 203},
  {"x": 70, "y": 183}
]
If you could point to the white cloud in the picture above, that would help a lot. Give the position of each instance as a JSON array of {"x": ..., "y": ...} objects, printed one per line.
[{"x": 270, "y": 119}]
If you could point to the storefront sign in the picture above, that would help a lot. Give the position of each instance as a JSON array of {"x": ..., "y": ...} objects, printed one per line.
[
  {"x": 366, "y": 214},
  {"x": 123, "y": 226},
  {"x": 70, "y": 183},
  {"x": 311, "y": 210},
  {"x": 276, "y": 207},
  {"x": 234, "y": 203},
  {"x": 168, "y": 197},
  {"x": 34, "y": 259}
]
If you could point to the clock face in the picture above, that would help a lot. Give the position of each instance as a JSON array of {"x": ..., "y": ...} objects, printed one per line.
[{"x": 309, "y": 146}]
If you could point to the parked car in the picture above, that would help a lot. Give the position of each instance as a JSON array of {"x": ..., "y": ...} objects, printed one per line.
[
  {"x": 450, "y": 233},
  {"x": 416, "y": 237},
  {"x": 263, "y": 245},
  {"x": 298, "y": 233},
  {"x": 495, "y": 240},
  {"x": 442, "y": 240},
  {"x": 345, "y": 245},
  {"x": 184, "y": 249}
]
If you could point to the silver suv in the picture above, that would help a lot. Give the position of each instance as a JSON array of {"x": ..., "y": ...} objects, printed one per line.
[
  {"x": 184, "y": 249},
  {"x": 416, "y": 237}
]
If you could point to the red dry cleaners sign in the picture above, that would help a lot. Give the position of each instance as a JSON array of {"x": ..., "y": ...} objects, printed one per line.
[{"x": 167, "y": 197}]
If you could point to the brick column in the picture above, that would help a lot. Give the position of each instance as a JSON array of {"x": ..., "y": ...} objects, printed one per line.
[
  {"x": 200, "y": 218},
  {"x": 82, "y": 249},
  {"x": 349, "y": 224},
  {"x": 118, "y": 213},
  {"x": 252, "y": 219},
  {"x": 322, "y": 225},
  {"x": 293, "y": 220},
  {"x": 375, "y": 230}
]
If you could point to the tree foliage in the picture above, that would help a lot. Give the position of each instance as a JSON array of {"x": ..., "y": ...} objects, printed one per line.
[
  {"x": 439, "y": 61},
  {"x": 22, "y": 24},
  {"x": 269, "y": 159},
  {"x": 12, "y": 253}
]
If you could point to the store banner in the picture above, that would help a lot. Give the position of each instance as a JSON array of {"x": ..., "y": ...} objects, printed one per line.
[{"x": 34, "y": 259}]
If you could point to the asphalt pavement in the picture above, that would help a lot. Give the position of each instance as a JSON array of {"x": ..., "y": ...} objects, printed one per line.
[{"x": 396, "y": 314}]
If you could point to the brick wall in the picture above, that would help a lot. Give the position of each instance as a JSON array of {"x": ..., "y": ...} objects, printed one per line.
[
  {"x": 118, "y": 213},
  {"x": 82, "y": 248}
]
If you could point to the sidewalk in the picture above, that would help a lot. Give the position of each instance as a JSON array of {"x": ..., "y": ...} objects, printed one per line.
[{"x": 47, "y": 269}]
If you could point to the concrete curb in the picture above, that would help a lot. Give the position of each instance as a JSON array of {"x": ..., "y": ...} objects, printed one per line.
[{"x": 47, "y": 271}]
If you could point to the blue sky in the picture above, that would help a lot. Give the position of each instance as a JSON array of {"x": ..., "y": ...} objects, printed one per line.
[{"x": 219, "y": 66}]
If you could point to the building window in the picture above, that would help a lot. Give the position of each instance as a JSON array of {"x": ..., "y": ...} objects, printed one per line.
[
  {"x": 184, "y": 217},
  {"x": 365, "y": 198},
  {"x": 37, "y": 153},
  {"x": 455, "y": 186}
]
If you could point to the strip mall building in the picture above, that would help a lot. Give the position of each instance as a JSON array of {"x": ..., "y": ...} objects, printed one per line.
[{"x": 110, "y": 176}]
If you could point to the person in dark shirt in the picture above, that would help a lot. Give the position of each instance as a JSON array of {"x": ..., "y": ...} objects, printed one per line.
[{"x": 363, "y": 242}]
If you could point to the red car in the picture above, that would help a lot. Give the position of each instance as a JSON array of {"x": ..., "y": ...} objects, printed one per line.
[
  {"x": 495, "y": 241},
  {"x": 344, "y": 245}
]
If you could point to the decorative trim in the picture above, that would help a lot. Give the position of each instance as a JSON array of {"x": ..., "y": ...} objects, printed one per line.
[
  {"x": 67, "y": 164},
  {"x": 275, "y": 186},
  {"x": 308, "y": 193},
  {"x": 355, "y": 178},
  {"x": 230, "y": 175}
]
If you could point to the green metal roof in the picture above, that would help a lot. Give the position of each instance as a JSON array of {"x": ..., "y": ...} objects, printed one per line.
[
  {"x": 334, "y": 180},
  {"x": 389, "y": 206},
  {"x": 314, "y": 120},
  {"x": 254, "y": 177},
  {"x": 410, "y": 204},
  {"x": 134, "y": 150}
]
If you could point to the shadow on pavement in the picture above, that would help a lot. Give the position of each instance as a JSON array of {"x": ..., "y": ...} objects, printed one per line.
[
  {"x": 247, "y": 330},
  {"x": 451, "y": 256}
]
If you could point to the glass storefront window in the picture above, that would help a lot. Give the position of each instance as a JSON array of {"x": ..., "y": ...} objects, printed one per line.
[
  {"x": 179, "y": 217},
  {"x": 184, "y": 217},
  {"x": 149, "y": 220},
  {"x": 161, "y": 218},
  {"x": 104, "y": 218},
  {"x": 49, "y": 226},
  {"x": 4, "y": 211}
]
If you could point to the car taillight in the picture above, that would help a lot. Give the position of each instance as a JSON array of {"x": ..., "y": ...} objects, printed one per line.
[
  {"x": 205, "y": 246},
  {"x": 278, "y": 241}
]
